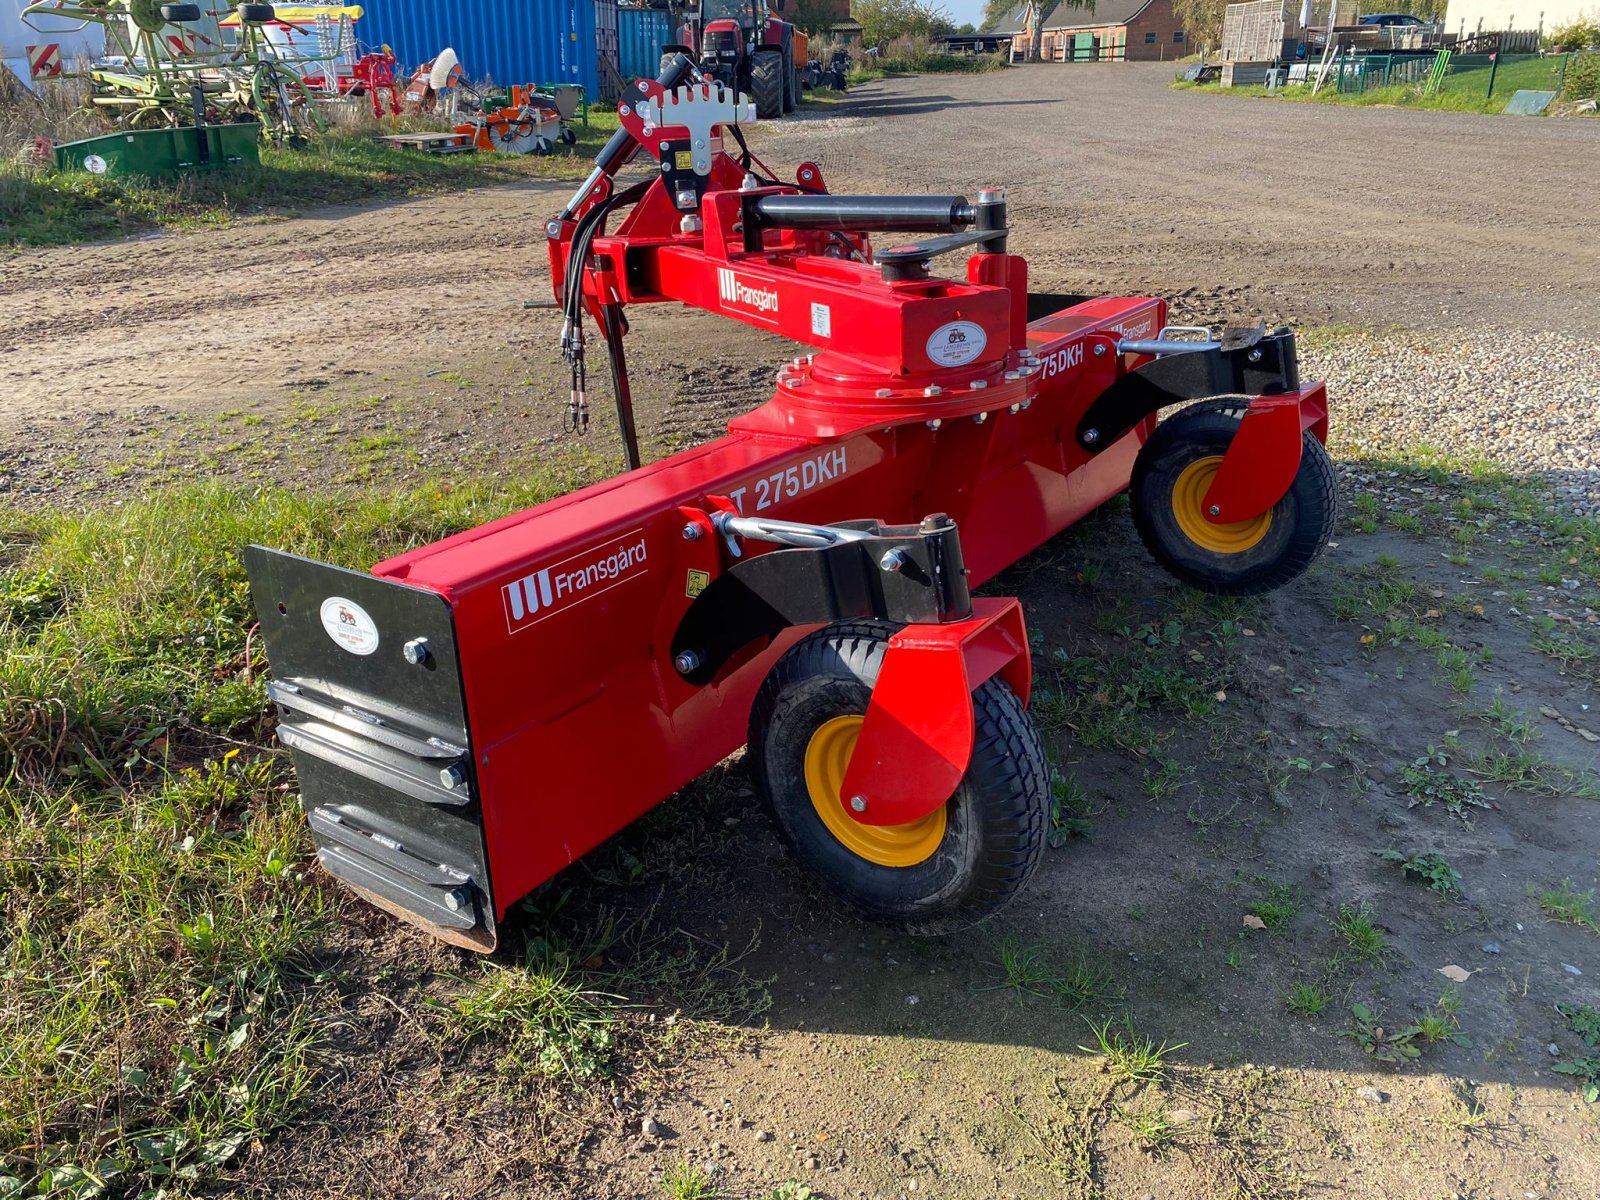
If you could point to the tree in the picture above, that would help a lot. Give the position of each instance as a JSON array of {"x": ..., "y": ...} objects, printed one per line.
[
  {"x": 814, "y": 17},
  {"x": 1202, "y": 19},
  {"x": 1038, "y": 10},
  {"x": 882, "y": 21}
]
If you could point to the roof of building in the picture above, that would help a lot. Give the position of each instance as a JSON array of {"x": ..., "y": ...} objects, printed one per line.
[{"x": 1093, "y": 15}]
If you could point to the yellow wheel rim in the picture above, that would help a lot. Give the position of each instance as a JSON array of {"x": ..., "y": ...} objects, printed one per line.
[
  {"x": 827, "y": 756},
  {"x": 1188, "y": 509}
]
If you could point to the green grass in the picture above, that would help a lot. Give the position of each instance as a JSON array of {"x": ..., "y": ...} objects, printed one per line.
[
  {"x": 1071, "y": 979},
  {"x": 1129, "y": 1056},
  {"x": 1431, "y": 868},
  {"x": 55, "y": 208},
  {"x": 1278, "y": 907},
  {"x": 1465, "y": 88},
  {"x": 1358, "y": 928},
  {"x": 1567, "y": 905},
  {"x": 1305, "y": 998},
  {"x": 159, "y": 981},
  {"x": 684, "y": 1180}
]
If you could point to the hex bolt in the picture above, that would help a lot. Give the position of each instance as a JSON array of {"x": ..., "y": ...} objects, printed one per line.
[
  {"x": 453, "y": 776},
  {"x": 1014, "y": 409},
  {"x": 895, "y": 560},
  {"x": 1099, "y": 349},
  {"x": 687, "y": 662},
  {"x": 858, "y": 804},
  {"x": 1214, "y": 511},
  {"x": 935, "y": 423},
  {"x": 883, "y": 393},
  {"x": 457, "y": 899},
  {"x": 932, "y": 389},
  {"x": 416, "y": 651},
  {"x": 692, "y": 532},
  {"x": 1255, "y": 356},
  {"x": 979, "y": 418},
  {"x": 1012, "y": 376},
  {"x": 552, "y": 229},
  {"x": 1091, "y": 436},
  {"x": 979, "y": 384}
]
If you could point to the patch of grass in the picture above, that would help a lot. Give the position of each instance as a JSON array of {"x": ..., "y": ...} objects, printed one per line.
[
  {"x": 1568, "y": 906},
  {"x": 1129, "y": 1056},
  {"x": 1070, "y": 811},
  {"x": 1431, "y": 868},
  {"x": 49, "y": 207},
  {"x": 1508, "y": 722},
  {"x": 1306, "y": 999},
  {"x": 1071, "y": 979},
  {"x": 684, "y": 1180},
  {"x": 1278, "y": 907},
  {"x": 537, "y": 1016},
  {"x": 1358, "y": 928},
  {"x": 1153, "y": 1129},
  {"x": 1525, "y": 770},
  {"x": 159, "y": 998}
]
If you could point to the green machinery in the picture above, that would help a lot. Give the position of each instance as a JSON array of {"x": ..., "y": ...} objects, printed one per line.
[{"x": 157, "y": 74}]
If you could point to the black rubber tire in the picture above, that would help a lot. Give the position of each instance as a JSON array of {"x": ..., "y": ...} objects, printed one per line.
[
  {"x": 766, "y": 83},
  {"x": 997, "y": 821},
  {"x": 256, "y": 14},
  {"x": 178, "y": 14},
  {"x": 1302, "y": 521},
  {"x": 791, "y": 85},
  {"x": 569, "y": 137}
]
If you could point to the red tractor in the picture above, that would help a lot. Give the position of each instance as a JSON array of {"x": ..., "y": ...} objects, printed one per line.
[
  {"x": 745, "y": 47},
  {"x": 470, "y": 717}
]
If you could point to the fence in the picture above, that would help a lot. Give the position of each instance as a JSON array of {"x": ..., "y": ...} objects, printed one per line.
[{"x": 1470, "y": 76}]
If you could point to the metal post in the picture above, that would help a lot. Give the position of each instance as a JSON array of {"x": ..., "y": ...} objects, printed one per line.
[{"x": 1494, "y": 65}]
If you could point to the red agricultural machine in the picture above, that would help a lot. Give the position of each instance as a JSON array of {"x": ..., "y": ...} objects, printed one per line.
[
  {"x": 471, "y": 717},
  {"x": 746, "y": 47}
]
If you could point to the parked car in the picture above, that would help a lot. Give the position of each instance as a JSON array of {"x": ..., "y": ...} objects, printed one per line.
[{"x": 1391, "y": 19}]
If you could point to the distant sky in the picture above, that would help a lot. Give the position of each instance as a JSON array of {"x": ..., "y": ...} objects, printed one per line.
[{"x": 962, "y": 11}]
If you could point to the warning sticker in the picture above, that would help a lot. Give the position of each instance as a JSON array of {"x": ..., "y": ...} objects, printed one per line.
[
  {"x": 698, "y": 582},
  {"x": 821, "y": 320}
]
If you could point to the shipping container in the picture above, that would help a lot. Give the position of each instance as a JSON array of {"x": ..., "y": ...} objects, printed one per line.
[
  {"x": 641, "y": 34},
  {"x": 508, "y": 41}
]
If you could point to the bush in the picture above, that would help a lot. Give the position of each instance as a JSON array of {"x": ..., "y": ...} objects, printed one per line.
[
  {"x": 1583, "y": 78},
  {"x": 1580, "y": 33}
]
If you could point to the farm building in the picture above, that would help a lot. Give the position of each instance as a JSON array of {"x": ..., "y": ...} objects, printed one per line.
[
  {"x": 1465, "y": 17},
  {"x": 1100, "y": 31}
]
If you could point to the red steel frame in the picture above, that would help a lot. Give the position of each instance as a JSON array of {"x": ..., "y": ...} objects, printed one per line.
[{"x": 566, "y": 611}]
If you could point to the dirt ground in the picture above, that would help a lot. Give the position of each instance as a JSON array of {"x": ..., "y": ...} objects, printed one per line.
[{"x": 1214, "y": 758}]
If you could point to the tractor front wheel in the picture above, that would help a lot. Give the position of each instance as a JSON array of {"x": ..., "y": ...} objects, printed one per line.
[
  {"x": 1171, "y": 476},
  {"x": 943, "y": 872},
  {"x": 766, "y": 83}
]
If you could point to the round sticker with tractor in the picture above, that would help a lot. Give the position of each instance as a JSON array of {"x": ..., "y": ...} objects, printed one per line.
[
  {"x": 349, "y": 625},
  {"x": 957, "y": 343}
]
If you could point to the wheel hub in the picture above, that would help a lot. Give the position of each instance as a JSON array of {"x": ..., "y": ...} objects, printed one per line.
[
  {"x": 827, "y": 757},
  {"x": 1188, "y": 509}
]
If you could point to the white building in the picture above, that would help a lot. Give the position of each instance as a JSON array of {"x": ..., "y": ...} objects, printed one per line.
[{"x": 1490, "y": 16}]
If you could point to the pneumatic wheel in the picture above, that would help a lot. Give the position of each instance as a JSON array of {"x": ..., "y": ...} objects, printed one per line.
[
  {"x": 766, "y": 83},
  {"x": 950, "y": 869},
  {"x": 1171, "y": 476},
  {"x": 256, "y": 14},
  {"x": 179, "y": 14}
]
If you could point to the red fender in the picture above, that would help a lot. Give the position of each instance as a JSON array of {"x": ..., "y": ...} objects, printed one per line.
[
  {"x": 1264, "y": 457},
  {"x": 916, "y": 741}
]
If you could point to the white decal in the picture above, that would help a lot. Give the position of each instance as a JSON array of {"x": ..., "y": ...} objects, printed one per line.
[
  {"x": 94, "y": 164},
  {"x": 758, "y": 301},
  {"x": 789, "y": 482},
  {"x": 957, "y": 343},
  {"x": 821, "y": 320},
  {"x": 349, "y": 625},
  {"x": 581, "y": 576},
  {"x": 1061, "y": 360},
  {"x": 1132, "y": 329}
]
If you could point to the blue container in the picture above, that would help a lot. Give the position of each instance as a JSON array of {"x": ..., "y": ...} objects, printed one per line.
[
  {"x": 641, "y": 32},
  {"x": 509, "y": 41}
]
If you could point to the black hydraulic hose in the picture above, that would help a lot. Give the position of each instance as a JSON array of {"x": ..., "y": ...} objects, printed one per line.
[{"x": 866, "y": 214}]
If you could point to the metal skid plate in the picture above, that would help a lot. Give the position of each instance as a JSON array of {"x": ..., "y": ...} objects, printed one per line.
[{"x": 380, "y": 742}]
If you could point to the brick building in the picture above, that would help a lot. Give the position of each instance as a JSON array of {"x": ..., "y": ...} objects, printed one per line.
[{"x": 1106, "y": 31}]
